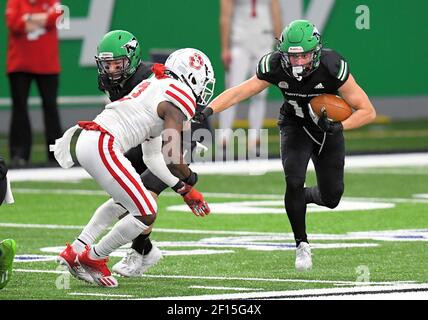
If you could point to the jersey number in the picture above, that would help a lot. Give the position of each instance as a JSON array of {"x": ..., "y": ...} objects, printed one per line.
[
  {"x": 138, "y": 90},
  {"x": 297, "y": 109}
]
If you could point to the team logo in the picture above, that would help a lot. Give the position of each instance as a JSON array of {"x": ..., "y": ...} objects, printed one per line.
[
  {"x": 283, "y": 85},
  {"x": 131, "y": 45},
  {"x": 196, "y": 61},
  {"x": 316, "y": 34}
]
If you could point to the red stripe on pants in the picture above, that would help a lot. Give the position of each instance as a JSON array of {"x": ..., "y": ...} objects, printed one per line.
[
  {"x": 115, "y": 175},
  {"x": 128, "y": 175}
]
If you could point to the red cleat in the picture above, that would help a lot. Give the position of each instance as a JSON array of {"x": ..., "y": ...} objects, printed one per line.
[
  {"x": 98, "y": 269},
  {"x": 68, "y": 258}
]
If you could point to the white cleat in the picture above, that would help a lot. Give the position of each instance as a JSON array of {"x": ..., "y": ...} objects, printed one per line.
[
  {"x": 130, "y": 264},
  {"x": 151, "y": 259},
  {"x": 135, "y": 264},
  {"x": 303, "y": 257}
]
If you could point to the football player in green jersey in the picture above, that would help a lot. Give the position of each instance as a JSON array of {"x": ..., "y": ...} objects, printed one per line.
[
  {"x": 302, "y": 69},
  {"x": 8, "y": 246},
  {"x": 7, "y": 253}
]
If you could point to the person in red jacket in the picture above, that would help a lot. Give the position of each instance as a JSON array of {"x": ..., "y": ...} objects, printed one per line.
[{"x": 32, "y": 54}]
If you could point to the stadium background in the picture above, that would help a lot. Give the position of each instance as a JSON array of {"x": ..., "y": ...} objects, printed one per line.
[{"x": 388, "y": 60}]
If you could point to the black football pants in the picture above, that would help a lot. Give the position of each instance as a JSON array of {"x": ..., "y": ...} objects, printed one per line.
[
  {"x": 297, "y": 147},
  {"x": 20, "y": 137}
]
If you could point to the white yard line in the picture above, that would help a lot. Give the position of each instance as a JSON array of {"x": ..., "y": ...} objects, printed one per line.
[
  {"x": 253, "y": 167},
  {"x": 219, "y": 195},
  {"x": 100, "y": 295},
  {"x": 338, "y": 282},
  {"x": 311, "y": 293},
  {"x": 226, "y": 288}
]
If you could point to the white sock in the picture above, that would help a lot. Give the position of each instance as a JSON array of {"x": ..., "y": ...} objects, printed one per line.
[
  {"x": 124, "y": 231},
  {"x": 103, "y": 217}
]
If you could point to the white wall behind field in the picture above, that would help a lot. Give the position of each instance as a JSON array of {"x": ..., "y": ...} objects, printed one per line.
[{"x": 86, "y": 108}]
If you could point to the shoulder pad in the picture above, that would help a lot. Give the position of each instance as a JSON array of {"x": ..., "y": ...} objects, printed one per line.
[
  {"x": 181, "y": 96},
  {"x": 336, "y": 65},
  {"x": 268, "y": 63}
]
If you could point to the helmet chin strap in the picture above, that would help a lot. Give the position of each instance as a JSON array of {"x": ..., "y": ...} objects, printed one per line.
[{"x": 297, "y": 71}]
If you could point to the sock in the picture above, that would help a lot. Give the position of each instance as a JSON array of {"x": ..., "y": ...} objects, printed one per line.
[
  {"x": 142, "y": 244},
  {"x": 298, "y": 241},
  {"x": 103, "y": 217},
  {"x": 123, "y": 232}
]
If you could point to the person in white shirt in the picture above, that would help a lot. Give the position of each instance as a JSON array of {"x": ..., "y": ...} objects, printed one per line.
[
  {"x": 155, "y": 110},
  {"x": 248, "y": 29}
]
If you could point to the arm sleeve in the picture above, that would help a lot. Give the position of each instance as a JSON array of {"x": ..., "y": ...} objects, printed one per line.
[
  {"x": 154, "y": 160},
  {"x": 14, "y": 20}
]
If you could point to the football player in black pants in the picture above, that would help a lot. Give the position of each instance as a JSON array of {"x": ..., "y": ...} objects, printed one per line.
[
  {"x": 120, "y": 69},
  {"x": 302, "y": 69}
]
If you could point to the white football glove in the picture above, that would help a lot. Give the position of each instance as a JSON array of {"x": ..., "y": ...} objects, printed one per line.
[{"x": 313, "y": 115}]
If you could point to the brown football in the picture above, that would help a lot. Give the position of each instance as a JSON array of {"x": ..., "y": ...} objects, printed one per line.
[{"x": 337, "y": 108}]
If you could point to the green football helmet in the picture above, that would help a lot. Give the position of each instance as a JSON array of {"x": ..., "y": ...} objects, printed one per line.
[
  {"x": 118, "y": 56},
  {"x": 300, "y": 39},
  {"x": 7, "y": 253}
]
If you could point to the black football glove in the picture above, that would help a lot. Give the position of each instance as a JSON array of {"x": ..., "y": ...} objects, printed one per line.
[
  {"x": 328, "y": 126},
  {"x": 201, "y": 116}
]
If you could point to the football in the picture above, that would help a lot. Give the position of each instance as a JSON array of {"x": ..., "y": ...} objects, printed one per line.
[{"x": 337, "y": 108}]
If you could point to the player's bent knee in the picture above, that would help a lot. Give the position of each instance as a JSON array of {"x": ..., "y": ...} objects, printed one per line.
[
  {"x": 148, "y": 220},
  {"x": 332, "y": 199},
  {"x": 295, "y": 183}
]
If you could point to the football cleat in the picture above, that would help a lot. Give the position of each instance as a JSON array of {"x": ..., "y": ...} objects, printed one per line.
[
  {"x": 303, "y": 257},
  {"x": 135, "y": 264},
  {"x": 98, "y": 269},
  {"x": 7, "y": 253},
  {"x": 68, "y": 259}
]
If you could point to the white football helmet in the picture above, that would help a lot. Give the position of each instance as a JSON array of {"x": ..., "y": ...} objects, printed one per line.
[{"x": 193, "y": 68}]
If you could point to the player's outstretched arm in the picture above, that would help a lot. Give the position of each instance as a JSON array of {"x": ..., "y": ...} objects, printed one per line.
[
  {"x": 231, "y": 97},
  {"x": 238, "y": 93},
  {"x": 355, "y": 96}
]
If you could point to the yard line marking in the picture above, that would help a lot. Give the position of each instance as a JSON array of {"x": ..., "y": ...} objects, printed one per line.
[
  {"x": 212, "y": 195},
  {"x": 61, "y": 191},
  {"x": 275, "y": 280},
  {"x": 352, "y": 283},
  {"x": 306, "y": 293},
  {"x": 41, "y": 271},
  {"x": 39, "y": 226},
  {"x": 226, "y": 288},
  {"x": 100, "y": 295},
  {"x": 233, "y": 167}
]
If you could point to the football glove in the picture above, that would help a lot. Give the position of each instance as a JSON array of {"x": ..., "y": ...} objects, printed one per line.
[
  {"x": 328, "y": 126},
  {"x": 193, "y": 199},
  {"x": 201, "y": 116},
  {"x": 196, "y": 203}
]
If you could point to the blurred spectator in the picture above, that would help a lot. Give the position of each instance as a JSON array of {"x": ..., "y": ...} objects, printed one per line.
[
  {"x": 248, "y": 29},
  {"x": 32, "y": 54}
]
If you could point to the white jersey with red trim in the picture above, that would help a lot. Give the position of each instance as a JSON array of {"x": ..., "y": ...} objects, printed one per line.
[{"x": 134, "y": 118}]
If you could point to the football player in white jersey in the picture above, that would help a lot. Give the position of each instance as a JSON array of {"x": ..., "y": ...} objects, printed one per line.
[
  {"x": 248, "y": 30},
  {"x": 155, "y": 110}
]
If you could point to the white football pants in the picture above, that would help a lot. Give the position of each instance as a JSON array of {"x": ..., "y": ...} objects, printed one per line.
[{"x": 101, "y": 157}]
